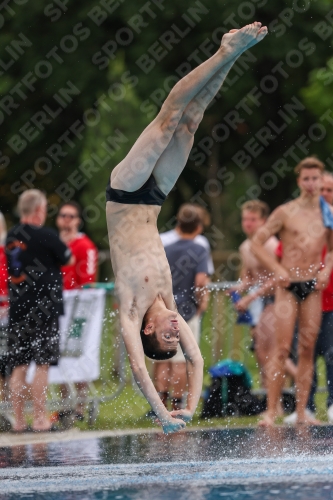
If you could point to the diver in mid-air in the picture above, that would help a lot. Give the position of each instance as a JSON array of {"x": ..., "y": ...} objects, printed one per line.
[{"x": 138, "y": 187}]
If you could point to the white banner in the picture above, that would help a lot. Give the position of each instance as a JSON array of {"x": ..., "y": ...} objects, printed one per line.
[{"x": 80, "y": 337}]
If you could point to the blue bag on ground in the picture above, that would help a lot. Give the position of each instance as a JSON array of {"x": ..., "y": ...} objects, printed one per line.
[{"x": 230, "y": 392}]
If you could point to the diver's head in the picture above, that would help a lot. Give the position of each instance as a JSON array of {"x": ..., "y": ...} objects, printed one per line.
[{"x": 160, "y": 332}]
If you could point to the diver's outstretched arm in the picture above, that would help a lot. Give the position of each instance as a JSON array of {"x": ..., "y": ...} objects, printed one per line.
[
  {"x": 130, "y": 330},
  {"x": 194, "y": 369}
]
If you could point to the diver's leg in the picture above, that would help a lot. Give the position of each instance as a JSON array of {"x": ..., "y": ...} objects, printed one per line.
[
  {"x": 174, "y": 158},
  {"x": 132, "y": 172}
]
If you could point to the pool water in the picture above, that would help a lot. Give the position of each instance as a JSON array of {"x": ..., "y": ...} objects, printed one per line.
[
  {"x": 201, "y": 465},
  {"x": 281, "y": 492}
]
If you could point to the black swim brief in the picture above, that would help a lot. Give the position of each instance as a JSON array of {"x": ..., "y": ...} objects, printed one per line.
[
  {"x": 301, "y": 289},
  {"x": 148, "y": 194}
]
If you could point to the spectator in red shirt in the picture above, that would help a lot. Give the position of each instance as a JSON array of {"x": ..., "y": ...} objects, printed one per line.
[{"x": 83, "y": 271}]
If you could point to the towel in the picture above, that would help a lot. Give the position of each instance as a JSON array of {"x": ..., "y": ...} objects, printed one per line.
[{"x": 326, "y": 213}]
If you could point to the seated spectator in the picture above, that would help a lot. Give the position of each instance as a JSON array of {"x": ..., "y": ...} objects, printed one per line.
[
  {"x": 81, "y": 272},
  {"x": 189, "y": 269},
  {"x": 34, "y": 256}
]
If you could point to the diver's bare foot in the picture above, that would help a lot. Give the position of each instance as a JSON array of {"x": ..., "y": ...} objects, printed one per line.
[
  {"x": 257, "y": 34},
  {"x": 237, "y": 41},
  {"x": 266, "y": 420},
  {"x": 307, "y": 420},
  {"x": 260, "y": 36}
]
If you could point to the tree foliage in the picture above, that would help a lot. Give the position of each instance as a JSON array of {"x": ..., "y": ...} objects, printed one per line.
[{"x": 79, "y": 82}]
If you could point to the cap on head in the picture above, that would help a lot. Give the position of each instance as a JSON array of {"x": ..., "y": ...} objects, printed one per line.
[
  {"x": 309, "y": 162},
  {"x": 151, "y": 346}
]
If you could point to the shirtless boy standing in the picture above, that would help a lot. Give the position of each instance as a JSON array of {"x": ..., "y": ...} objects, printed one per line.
[
  {"x": 254, "y": 215},
  {"x": 303, "y": 225},
  {"x": 256, "y": 277},
  {"x": 138, "y": 186}
]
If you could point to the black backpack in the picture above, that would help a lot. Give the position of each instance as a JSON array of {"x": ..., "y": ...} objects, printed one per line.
[{"x": 229, "y": 396}]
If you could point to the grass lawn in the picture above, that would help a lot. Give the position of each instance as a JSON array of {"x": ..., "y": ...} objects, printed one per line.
[{"x": 128, "y": 411}]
